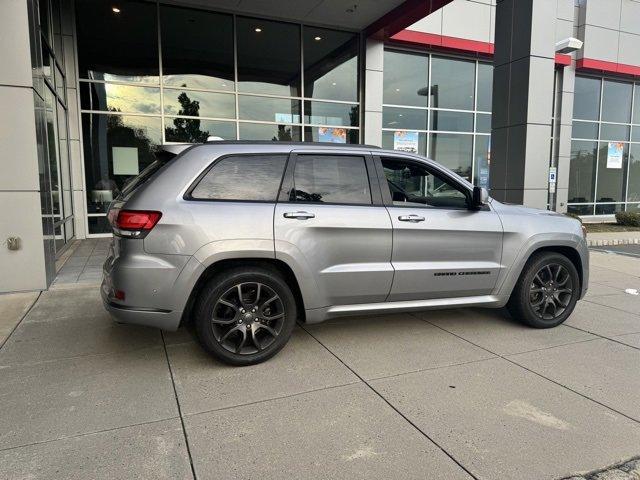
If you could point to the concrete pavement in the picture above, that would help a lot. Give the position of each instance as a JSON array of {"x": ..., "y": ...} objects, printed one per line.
[{"x": 445, "y": 394}]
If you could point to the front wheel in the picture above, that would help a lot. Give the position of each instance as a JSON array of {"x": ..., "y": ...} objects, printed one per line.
[
  {"x": 546, "y": 292},
  {"x": 245, "y": 315}
]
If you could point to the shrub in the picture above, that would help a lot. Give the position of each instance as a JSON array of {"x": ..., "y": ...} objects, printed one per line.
[{"x": 628, "y": 219}]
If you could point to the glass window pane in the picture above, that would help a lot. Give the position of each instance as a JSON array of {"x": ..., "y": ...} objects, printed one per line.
[
  {"x": 635, "y": 133},
  {"x": 388, "y": 141},
  {"x": 332, "y": 135},
  {"x": 260, "y": 131},
  {"x": 582, "y": 171},
  {"x": 268, "y": 57},
  {"x": 269, "y": 109},
  {"x": 482, "y": 157},
  {"x": 199, "y": 104},
  {"x": 633, "y": 195},
  {"x": 229, "y": 179},
  {"x": 485, "y": 86},
  {"x": 584, "y": 130},
  {"x": 453, "y": 151},
  {"x": 197, "y": 48},
  {"x": 586, "y": 100},
  {"x": 405, "y": 79},
  {"x": 483, "y": 123},
  {"x": 611, "y": 178},
  {"x": 404, "y": 118},
  {"x": 452, "y": 83},
  {"x": 116, "y": 149},
  {"x": 612, "y": 131},
  {"x": 45, "y": 21},
  {"x": 99, "y": 225},
  {"x": 633, "y": 207},
  {"x": 330, "y": 64},
  {"x": 113, "y": 97},
  {"x": 192, "y": 130},
  {"x": 117, "y": 45},
  {"x": 324, "y": 113},
  {"x": 616, "y": 101},
  {"x": 331, "y": 179},
  {"x": 52, "y": 137},
  {"x": 608, "y": 209},
  {"x": 451, "y": 121},
  {"x": 580, "y": 209},
  {"x": 636, "y": 104}
]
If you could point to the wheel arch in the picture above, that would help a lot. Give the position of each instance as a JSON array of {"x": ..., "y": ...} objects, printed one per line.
[
  {"x": 570, "y": 252},
  {"x": 266, "y": 263}
]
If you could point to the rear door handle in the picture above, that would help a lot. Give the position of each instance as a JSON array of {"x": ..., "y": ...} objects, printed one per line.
[
  {"x": 411, "y": 218},
  {"x": 299, "y": 215}
]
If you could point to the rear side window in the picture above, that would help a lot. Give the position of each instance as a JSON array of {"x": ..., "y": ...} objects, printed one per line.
[
  {"x": 242, "y": 177},
  {"x": 331, "y": 179}
]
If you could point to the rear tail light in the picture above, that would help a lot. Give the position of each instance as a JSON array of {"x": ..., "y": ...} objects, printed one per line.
[{"x": 133, "y": 223}]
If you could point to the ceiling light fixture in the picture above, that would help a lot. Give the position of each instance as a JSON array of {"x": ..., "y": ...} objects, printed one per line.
[
  {"x": 317, "y": 39},
  {"x": 115, "y": 9},
  {"x": 258, "y": 29}
]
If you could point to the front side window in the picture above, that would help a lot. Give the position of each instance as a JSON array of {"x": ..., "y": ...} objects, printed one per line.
[
  {"x": 248, "y": 178},
  {"x": 414, "y": 184},
  {"x": 331, "y": 179}
]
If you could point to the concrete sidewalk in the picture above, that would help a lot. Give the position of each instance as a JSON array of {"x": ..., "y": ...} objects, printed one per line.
[
  {"x": 452, "y": 394},
  {"x": 601, "y": 239}
]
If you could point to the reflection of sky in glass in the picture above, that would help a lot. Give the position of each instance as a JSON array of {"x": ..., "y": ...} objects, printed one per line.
[
  {"x": 337, "y": 84},
  {"x": 198, "y": 81},
  {"x": 110, "y": 77},
  {"x": 331, "y": 179},
  {"x": 269, "y": 109},
  {"x": 257, "y": 131},
  {"x": 220, "y": 105},
  {"x": 127, "y": 98},
  {"x": 150, "y": 126},
  {"x": 338, "y": 114},
  {"x": 228, "y": 179}
]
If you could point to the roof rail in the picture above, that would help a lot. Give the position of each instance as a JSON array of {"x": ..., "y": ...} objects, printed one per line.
[{"x": 279, "y": 142}]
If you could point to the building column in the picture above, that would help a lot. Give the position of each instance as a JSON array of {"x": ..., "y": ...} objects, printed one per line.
[
  {"x": 523, "y": 77},
  {"x": 373, "y": 82},
  {"x": 20, "y": 216}
]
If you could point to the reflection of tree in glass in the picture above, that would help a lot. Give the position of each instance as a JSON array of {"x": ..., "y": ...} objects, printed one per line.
[
  {"x": 353, "y": 117},
  {"x": 284, "y": 134},
  {"x": 187, "y": 129}
]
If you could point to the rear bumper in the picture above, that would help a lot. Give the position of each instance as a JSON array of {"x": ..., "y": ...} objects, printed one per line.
[{"x": 165, "y": 320}]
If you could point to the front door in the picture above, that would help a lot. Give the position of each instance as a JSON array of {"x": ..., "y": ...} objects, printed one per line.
[
  {"x": 333, "y": 228},
  {"x": 441, "y": 247}
]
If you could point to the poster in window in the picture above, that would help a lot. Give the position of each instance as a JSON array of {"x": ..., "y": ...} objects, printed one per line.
[
  {"x": 405, "y": 141},
  {"x": 614, "y": 155},
  {"x": 332, "y": 135}
]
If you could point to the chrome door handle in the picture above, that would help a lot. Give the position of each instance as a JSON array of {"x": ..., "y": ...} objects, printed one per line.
[
  {"x": 299, "y": 215},
  {"x": 411, "y": 218}
]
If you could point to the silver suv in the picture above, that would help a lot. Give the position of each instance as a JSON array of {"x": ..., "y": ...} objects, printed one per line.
[{"x": 246, "y": 238}]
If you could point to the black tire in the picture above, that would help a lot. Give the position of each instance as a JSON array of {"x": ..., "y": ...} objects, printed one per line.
[
  {"x": 260, "y": 344},
  {"x": 540, "y": 298}
]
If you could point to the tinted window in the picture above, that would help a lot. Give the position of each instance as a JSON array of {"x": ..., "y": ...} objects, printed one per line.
[
  {"x": 485, "y": 86},
  {"x": 413, "y": 184},
  {"x": 452, "y": 83},
  {"x": 616, "y": 101},
  {"x": 331, "y": 179},
  {"x": 405, "y": 79},
  {"x": 119, "y": 45},
  {"x": 252, "y": 177},
  {"x": 586, "y": 101},
  {"x": 268, "y": 57},
  {"x": 197, "y": 48}
]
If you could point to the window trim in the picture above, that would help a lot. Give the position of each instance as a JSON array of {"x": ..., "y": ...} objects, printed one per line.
[
  {"x": 187, "y": 196},
  {"x": 434, "y": 170},
  {"x": 372, "y": 179}
]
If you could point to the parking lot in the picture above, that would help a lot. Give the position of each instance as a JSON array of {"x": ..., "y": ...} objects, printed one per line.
[{"x": 442, "y": 394}]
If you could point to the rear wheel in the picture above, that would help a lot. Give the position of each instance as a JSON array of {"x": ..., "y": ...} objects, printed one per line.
[
  {"x": 245, "y": 315},
  {"x": 546, "y": 292}
]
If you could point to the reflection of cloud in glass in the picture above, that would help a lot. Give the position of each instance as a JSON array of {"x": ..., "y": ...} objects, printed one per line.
[
  {"x": 198, "y": 81},
  {"x": 219, "y": 105},
  {"x": 127, "y": 98}
]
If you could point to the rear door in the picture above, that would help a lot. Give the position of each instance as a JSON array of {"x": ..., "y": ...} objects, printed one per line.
[
  {"x": 441, "y": 248},
  {"x": 330, "y": 224}
]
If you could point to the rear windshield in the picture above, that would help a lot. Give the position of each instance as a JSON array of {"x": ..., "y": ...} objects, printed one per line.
[{"x": 163, "y": 158}]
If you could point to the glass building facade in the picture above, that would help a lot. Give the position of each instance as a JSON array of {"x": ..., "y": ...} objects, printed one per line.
[
  {"x": 51, "y": 115},
  {"x": 443, "y": 101},
  {"x": 152, "y": 74},
  {"x": 605, "y": 147}
]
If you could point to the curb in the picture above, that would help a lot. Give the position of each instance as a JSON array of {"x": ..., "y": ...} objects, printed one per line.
[{"x": 607, "y": 243}]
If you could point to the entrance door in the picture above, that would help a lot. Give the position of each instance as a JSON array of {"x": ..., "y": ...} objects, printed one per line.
[
  {"x": 441, "y": 247},
  {"x": 333, "y": 228}
]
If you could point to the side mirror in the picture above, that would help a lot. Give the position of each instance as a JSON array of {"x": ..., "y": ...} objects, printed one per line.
[{"x": 480, "y": 196}]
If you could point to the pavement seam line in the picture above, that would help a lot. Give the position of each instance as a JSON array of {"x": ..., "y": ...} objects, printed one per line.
[
  {"x": 395, "y": 409},
  {"x": 267, "y": 400},
  {"x": 608, "y": 338},
  {"x": 20, "y": 321},
  {"x": 85, "y": 434},
  {"x": 175, "y": 394},
  {"x": 541, "y": 375}
]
